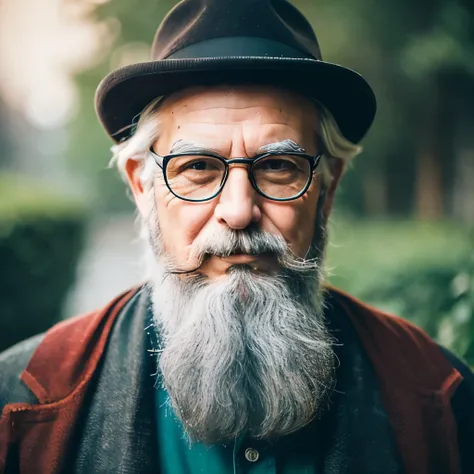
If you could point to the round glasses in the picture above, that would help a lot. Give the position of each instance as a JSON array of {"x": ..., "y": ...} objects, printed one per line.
[{"x": 199, "y": 177}]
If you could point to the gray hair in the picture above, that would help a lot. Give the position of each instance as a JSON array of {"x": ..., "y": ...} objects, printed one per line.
[{"x": 335, "y": 145}]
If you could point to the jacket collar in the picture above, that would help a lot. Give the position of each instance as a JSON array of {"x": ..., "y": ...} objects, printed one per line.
[
  {"x": 107, "y": 382},
  {"x": 119, "y": 431},
  {"x": 74, "y": 348}
]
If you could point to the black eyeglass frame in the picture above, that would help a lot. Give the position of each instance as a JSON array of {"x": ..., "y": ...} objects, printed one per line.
[{"x": 314, "y": 161}]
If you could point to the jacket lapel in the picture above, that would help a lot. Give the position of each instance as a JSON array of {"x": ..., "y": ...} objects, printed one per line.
[
  {"x": 416, "y": 382},
  {"x": 59, "y": 374},
  {"x": 117, "y": 433},
  {"x": 357, "y": 437}
]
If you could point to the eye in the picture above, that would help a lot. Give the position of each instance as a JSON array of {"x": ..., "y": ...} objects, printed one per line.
[
  {"x": 277, "y": 164},
  {"x": 188, "y": 164},
  {"x": 199, "y": 166}
]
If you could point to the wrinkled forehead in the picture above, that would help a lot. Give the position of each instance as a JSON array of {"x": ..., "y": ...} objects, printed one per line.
[
  {"x": 256, "y": 112},
  {"x": 225, "y": 95}
]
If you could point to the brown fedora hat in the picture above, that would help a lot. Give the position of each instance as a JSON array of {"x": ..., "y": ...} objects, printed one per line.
[{"x": 206, "y": 42}]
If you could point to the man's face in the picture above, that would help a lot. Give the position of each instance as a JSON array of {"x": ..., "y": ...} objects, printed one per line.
[
  {"x": 244, "y": 345},
  {"x": 234, "y": 122}
]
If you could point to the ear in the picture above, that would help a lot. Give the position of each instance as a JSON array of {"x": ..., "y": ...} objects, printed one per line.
[
  {"x": 337, "y": 167},
  {"x": 132, "y": 170}
]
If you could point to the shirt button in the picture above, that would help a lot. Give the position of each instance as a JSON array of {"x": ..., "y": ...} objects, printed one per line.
[{"x": 251, "y": 455}]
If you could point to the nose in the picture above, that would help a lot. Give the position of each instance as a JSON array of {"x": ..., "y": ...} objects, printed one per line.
[{"x": 238, "y": 207}]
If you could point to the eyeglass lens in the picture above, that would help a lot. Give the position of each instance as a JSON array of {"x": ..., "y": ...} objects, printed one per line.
[{"x": 200, "y": 177}]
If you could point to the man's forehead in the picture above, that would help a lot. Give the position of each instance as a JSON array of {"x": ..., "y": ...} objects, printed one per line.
[
  {"x": 221, "y": 118},
  {"x": 247, "y": 98}
]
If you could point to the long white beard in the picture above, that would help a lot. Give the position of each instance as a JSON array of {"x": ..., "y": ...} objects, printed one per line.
[{"x": 247, "y": 354}]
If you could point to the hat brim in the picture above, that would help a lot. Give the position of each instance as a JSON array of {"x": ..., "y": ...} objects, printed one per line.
[{"x": 125, "y": 92}]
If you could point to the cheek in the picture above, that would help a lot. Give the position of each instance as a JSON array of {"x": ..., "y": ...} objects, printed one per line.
[
  {"x": 180, "y": 221},
  {"x": 294, "y": 220}
]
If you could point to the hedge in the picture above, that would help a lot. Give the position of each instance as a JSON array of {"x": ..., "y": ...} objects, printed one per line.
[
  {"x": 421, "y": 271},
  {"x": 41, "y": 237}
]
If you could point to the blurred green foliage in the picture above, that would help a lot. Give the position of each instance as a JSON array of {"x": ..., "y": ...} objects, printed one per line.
[
  {"x": 41, "y": 236},
  {"x": 423, "y": 272}
]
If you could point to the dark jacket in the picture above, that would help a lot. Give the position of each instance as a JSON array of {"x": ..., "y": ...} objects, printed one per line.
[{"x": 54, "y": 389}]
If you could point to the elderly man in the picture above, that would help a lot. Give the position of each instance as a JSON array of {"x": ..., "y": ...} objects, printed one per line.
[{"x": 235, "y": 356}]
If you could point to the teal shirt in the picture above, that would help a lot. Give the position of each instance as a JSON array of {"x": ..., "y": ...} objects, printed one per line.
[{"x": 294, "y": 454}]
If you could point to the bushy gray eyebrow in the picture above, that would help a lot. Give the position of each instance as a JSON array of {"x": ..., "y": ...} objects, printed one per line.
[
  {"x": 187, "y": 147},
  {"x": 284, "y": 146}
]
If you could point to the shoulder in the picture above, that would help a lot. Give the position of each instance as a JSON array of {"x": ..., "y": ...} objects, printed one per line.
[
  {"x": 381, "y": 327},
  {"x": 399, "y": 328},
  {"x": 365, "y": 315},
  {"x": 460, "y": 366},
  {"x": 13, "y": 362},
  {"x": 395, "y": 346},
  {"x": 464, "y": 395},
  {"x": 72, "y": 347},
  {"x": 462, "y": 405},
  {"x": 45, "y": 349}
]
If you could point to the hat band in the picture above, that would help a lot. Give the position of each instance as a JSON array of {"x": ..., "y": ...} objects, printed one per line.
[{"x": 239, "y": 46}]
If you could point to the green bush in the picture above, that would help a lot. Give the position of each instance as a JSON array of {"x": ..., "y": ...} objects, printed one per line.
[
  {"x": 41, "y": 236},
  {"x": 423, "y": 272}
]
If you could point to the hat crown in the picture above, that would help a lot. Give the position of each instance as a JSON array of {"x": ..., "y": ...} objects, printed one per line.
[{"x": 192, "y": 22}]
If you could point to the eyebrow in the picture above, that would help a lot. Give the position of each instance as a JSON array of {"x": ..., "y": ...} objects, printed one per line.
[
  {"x": 187, "y": 147},
  {"x": 284, "y": 146}
]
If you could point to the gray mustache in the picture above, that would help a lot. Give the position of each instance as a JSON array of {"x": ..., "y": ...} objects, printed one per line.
[{"x": 251, "y": 241}]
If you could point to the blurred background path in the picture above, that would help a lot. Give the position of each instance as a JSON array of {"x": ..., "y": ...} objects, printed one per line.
[{"x": 111, "y": 263}]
